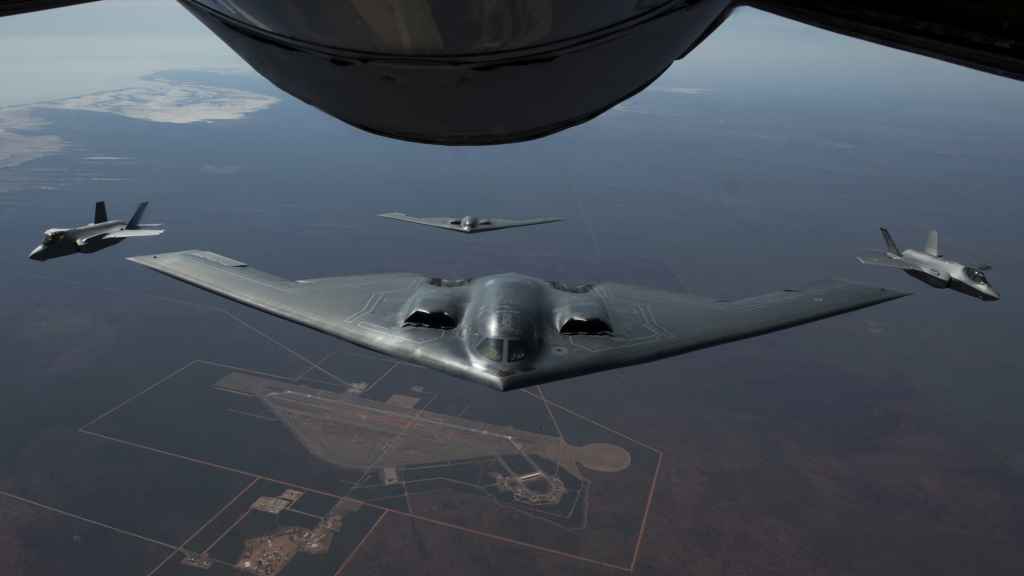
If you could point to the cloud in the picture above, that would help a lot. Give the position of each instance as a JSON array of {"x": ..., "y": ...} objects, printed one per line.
[
  {"x": 21, "y": 129},
  {"x": 159, "y": 101},
  {"x": 17, "y": 147}
]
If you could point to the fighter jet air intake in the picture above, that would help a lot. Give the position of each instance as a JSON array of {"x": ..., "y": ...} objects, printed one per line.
[
  {"x": 99, "y": 234},
  {"x": 932, "y": 268},
  {"x": 468, "y": 224},
  {"x": 509, "y": 331}
]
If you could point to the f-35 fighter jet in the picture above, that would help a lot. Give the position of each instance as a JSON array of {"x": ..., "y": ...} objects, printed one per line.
[
  {"x": 468, "y": 224},
  {"x": 101, "y": 233},
  {"x": 932, "y": 268},
  {"x": 508, "y": 330}
]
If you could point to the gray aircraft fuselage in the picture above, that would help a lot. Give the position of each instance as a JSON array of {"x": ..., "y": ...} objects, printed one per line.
[
  {"x": 101, "y": 233},
  {"x": 59, "y": 242},
  {"x": 942, "y": 273},
  {"x": 468, "y": 223},
  {"x": 932, "y": 268}
]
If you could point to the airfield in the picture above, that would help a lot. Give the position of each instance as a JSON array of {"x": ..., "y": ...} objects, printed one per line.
[
  {"x": 296, "y": 464},
  {"x": 358, "y": 451}
]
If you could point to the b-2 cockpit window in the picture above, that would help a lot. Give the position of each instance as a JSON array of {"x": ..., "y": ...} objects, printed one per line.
[
  {"x": 976, "y": 275},
  {"x": 491, "y": 348}
]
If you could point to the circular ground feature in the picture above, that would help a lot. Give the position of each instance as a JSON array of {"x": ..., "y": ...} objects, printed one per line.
[{"x": 602, "y": 457}]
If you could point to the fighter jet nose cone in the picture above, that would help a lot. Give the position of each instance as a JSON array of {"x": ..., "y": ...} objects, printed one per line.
[
  {"x": 461, "y": 72},
  {"x": 37, "y": 254}
]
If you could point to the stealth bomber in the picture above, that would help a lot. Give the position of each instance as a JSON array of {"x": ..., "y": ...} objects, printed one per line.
[
  {"x": 468, "y": 224},
  {"x": 101, "y": 233},
  {"x": 509, "y": 330},
  {"x": 932, "y": 268}
]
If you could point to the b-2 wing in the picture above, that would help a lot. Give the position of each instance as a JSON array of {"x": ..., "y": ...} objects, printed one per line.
[
  {"x": 473, "y": 225},
  {"x": 646, "y": 324}
]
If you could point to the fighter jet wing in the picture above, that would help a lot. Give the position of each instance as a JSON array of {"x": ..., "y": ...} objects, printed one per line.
[
  {"x": 134, "y": 233},
  {"x": 883, "y": 259},
  {"x": 481, "y": 225},
  {"x": 83, "y": 240},
  {"x": 647, "y": 324}
]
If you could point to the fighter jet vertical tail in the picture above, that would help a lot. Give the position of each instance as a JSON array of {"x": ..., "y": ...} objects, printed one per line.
[
  {"x": 100, "y": 215},
  {"x": 890, "y": 245},
  {"x": 133, "y": 224},
  {"x": 931, "y": 246}
]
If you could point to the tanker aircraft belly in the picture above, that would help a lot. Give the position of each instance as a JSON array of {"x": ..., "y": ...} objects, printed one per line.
[{"x": 508, "y": 330}]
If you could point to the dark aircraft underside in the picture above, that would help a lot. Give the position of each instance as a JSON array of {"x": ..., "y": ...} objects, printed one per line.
[{"x": 459, "y": 72}]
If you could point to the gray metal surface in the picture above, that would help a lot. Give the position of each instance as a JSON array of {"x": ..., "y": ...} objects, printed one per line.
[
  {"x": 932, "y": 268},
  {"x": 92, "y": 237},
  {"x": 508, "y": 330},
  {"x": 467, "y": 224}
]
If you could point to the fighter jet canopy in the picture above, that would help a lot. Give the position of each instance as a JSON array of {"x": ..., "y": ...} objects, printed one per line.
[
  {"x": 975, "y": 275},
  {"x": 52, "y": 235}
]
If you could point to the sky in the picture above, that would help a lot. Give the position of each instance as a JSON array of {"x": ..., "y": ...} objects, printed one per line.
[{"x": 100, "y": 46}]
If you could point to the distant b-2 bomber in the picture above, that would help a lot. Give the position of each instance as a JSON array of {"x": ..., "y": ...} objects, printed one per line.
[{"x": 468, "y": 224}]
